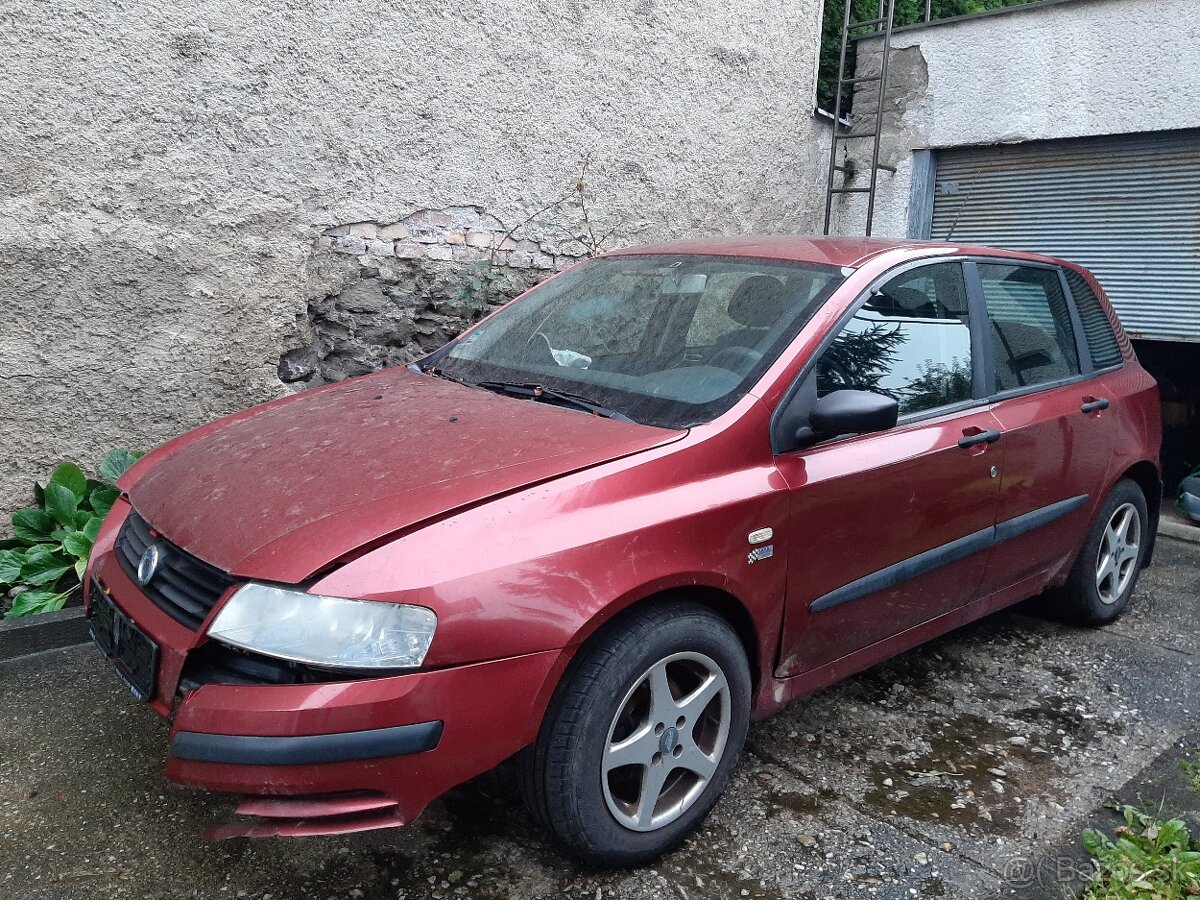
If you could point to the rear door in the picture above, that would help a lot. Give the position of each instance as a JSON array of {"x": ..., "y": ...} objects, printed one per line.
[
  {"x": 1054, "y": 419},
  {"x": 890, "y": 530}
]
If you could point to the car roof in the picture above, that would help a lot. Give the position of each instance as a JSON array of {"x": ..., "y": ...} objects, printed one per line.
[{"x": 834, "y": 251}]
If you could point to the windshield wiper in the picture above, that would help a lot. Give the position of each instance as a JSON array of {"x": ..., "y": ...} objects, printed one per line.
[
  {"x": 439, "y": 373},
  {"x": 532, "y": 391},
  {"x": 540, "y": 392}
]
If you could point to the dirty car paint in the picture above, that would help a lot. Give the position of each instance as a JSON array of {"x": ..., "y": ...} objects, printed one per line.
[{"x": 280, "y": 494}]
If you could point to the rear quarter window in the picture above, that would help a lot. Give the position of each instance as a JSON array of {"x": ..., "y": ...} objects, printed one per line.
[{"x": 1097, "y": 329}]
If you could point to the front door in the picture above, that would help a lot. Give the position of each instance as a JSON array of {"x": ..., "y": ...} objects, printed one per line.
[{"x": 890, "y": 530}]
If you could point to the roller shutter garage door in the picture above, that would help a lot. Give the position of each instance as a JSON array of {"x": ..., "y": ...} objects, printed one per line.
[{"x": 1127, "y": 207}]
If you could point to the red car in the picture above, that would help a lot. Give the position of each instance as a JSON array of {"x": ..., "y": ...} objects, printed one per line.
[{"x": 663, "y": 493}]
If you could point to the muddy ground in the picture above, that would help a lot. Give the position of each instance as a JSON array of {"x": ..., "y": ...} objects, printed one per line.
[{"x": 944, "y": 773}]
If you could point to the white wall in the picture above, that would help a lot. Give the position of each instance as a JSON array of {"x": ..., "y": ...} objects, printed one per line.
[
  {"x": 173, "y": 175},
  {"x": 1071, "y": 68}
]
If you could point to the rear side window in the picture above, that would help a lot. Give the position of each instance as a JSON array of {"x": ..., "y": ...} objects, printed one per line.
[
  {"x": 910, "y": 341},
  {"x": 1032, "y": 339},
  {"x": 1097, "y": 330}
]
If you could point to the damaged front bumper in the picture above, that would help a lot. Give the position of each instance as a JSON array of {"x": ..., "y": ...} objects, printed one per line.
[
  {"x": 328, "y": 758},
  {"x": 324, "y": 756}
]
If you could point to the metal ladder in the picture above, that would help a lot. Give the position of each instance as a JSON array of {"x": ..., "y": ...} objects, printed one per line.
[{"x": 881, "y": 25}]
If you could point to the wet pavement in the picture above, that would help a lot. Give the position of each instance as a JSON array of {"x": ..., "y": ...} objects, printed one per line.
[{"x": 944, "y": 773}]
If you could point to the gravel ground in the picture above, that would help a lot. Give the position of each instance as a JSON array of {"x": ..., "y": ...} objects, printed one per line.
[{"x": 938, "y": 774}]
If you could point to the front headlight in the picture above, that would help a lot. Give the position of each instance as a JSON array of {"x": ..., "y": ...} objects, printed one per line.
[{"x": 325, "y": 631}]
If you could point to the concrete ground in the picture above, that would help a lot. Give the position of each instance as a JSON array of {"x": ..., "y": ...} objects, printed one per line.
[{"x": 948, "y": 772}]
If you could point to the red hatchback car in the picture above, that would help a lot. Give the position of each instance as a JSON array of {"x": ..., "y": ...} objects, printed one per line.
[{"x": 661, "y": 494}]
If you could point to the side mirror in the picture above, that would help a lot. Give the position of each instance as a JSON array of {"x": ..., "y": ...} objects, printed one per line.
[{"x": 849, "y": 412}]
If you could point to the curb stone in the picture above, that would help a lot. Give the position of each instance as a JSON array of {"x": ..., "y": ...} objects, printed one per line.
[
  {"x": 1181, "y": 531},
  {"x": 46, "y": 631}
]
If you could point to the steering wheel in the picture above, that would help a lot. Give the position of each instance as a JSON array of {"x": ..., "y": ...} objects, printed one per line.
[{"x": 738, "y": 360}]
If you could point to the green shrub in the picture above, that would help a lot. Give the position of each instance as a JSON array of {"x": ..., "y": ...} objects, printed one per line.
[
  {"x": 1149, "y": 860},
  {"x": 51, "y": 541}
]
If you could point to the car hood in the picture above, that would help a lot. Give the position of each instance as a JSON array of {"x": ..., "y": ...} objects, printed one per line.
[{"x": 281, "y": 491}]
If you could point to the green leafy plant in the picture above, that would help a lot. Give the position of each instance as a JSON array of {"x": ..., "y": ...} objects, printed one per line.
[
  {"x": 52, "y": 540},
  {"x": 485, "y": 280},
  {"x": 1149, "y": 860}
]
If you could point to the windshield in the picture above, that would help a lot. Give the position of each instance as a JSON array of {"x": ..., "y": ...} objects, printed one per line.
[{"x": 668, "y": 340}]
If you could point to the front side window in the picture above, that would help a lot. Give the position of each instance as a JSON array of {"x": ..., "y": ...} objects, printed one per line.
[
  {"x": 671, "y": 340},
  {"x": 1097, "y": 330},
  {"x": 910, "y": 341},
  {"x": 1032, "y": 339}
]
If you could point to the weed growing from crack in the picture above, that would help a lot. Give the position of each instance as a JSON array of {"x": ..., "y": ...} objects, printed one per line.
[{"x": 1146, "y": 859}]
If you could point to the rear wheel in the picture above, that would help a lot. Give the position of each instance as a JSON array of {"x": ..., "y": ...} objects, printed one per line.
[
  {"x": 642, "y": 735},
  {"x": 1102, "y": 581}
]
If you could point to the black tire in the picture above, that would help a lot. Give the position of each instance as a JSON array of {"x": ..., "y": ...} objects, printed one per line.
[
  {"x": 1080, "y": 600},
  {"x": 562, "y": 776}
]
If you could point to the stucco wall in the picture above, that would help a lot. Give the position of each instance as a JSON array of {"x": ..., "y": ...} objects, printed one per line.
[
  {"x": 1064, "y": 69},
  {"x": 178, "y": 179}
]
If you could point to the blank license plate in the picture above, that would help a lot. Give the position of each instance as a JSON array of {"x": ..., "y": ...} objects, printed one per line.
[{"x": 126, "y": 646}]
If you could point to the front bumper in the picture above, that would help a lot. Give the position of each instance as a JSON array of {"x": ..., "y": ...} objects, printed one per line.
[
  {"x": 336, "y": 756},
  {"x": 406, "y": 738}
]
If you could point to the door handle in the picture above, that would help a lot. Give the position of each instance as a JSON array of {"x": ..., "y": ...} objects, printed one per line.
[
  {"x": 1093, "y": 404},
  {"x": 990, "y": 436}
]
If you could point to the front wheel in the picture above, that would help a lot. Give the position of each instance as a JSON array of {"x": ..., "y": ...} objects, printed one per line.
[
  {"x": 642, "y": 735},
  {"x": 1101, "y": 583}
]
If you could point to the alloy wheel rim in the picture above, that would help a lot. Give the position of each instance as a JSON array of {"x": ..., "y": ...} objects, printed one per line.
[
  {"x": 665, "y": 741},
  {"x": 1117, "y": 557}
]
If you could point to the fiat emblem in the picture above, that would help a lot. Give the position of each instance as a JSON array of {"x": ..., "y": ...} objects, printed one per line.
[{"x": 148, "y": 564}]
